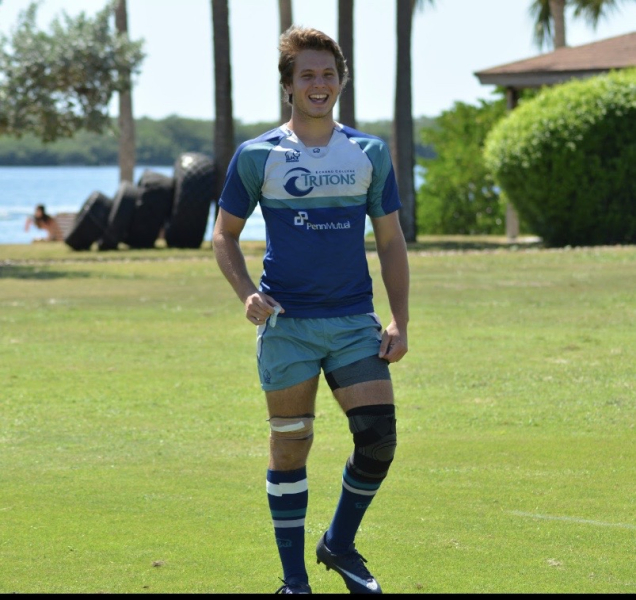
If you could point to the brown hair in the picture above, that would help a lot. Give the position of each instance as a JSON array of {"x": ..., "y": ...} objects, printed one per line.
[
  {"x": 44, "y": 218},
  {"x": 296, "y": 39}
]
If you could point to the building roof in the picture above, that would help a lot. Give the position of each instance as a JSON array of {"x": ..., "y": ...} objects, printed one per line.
[{"x": 564, "y": 64}]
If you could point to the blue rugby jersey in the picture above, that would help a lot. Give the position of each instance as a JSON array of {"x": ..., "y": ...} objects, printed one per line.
[{"x": 314, "y": 202}]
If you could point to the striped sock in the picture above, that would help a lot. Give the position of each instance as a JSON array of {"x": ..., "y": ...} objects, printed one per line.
[
  {"x": 354, "y": 500},
  {"x": 287, "y": 495}
]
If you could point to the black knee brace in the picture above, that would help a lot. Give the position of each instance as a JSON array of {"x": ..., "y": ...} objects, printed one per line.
[{"x": 375, "y": 439}]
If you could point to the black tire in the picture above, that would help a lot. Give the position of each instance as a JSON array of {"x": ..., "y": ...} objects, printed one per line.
[
  {"x": 90, "y": 222},
  {"x": 152, "y": 209},
  {"x": 195, "y": 176},
  {"x": 120, "y": 216}
]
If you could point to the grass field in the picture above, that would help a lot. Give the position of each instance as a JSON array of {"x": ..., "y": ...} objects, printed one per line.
[{"x": 133, "y": 440}]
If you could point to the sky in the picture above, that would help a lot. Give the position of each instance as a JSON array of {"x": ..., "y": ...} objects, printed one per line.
[{"x": 452, "y": 39}]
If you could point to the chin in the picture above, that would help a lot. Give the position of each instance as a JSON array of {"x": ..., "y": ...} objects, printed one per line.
[{"x": 319, "y": 113}]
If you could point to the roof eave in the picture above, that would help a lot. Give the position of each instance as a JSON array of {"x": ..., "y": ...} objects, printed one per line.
[{"x": 534, "y": 79}]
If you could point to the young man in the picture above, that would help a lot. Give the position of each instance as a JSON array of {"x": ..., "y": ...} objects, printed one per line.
[{"x": 316, "y": 180}]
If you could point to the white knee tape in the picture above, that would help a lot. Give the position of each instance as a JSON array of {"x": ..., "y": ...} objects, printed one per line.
[{"x": 292, "y": 428}]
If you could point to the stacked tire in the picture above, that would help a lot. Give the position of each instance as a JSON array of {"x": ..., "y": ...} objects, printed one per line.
[
  {"x": 120, "y": 216},
  {"x": 90, "y": 222},
  {"x": 176, "y": 208},
  {"x": 152, "y": 210},
  {"x": 195, "y": 176}
]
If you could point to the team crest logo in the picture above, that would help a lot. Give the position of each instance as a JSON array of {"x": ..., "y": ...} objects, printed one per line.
[
  {"x": 294, "y": 177},
  {"x": 292, "y": 156}
]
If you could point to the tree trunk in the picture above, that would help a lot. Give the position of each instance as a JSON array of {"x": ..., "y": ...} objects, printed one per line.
[
  {"x": 126, "y": 119},
  {"x": 223, "y": 110},
  {"x": 512, "y": 218},
  {"x": 402, "y": 144},
  {"x": 557, "y": 10},
  {"x": 345, "y": 39},
  {"x": 286, "y": 20}
]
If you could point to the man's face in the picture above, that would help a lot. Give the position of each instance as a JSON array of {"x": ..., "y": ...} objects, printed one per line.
[{"x": 315, "y": 85}]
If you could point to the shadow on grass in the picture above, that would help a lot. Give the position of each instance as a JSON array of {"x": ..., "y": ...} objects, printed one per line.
[
  {"x": 18, "y": 257},
  {"x": 464, "y": 244},
  {"x": 38, "y": 272},
  {"x": 442, "y": 243}
]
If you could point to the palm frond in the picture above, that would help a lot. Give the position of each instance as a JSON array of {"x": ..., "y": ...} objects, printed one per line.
[
  {"x": 542, "y": 18},
  {"x": 418, "y": 5},
  {"x": 594, "y": 10}
]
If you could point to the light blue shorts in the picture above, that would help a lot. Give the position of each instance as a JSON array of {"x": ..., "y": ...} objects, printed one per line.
[{"x": 295, "y": 350}]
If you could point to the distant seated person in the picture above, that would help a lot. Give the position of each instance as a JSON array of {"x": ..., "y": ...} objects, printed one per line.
[{"x": 42, "y": 220}]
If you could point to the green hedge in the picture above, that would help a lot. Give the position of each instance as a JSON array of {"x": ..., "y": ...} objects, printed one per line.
[
  {"x": 458, "y": 195},
  {"x": 567, "y": 160}
]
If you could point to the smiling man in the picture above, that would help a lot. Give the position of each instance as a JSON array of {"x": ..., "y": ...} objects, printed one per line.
[{"x": 316, "y": 181}]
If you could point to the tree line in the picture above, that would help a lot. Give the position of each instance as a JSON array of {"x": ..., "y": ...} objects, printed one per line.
[{"x": 158, "y": 142}]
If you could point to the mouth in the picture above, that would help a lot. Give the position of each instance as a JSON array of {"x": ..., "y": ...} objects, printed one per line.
[{"x": 319, "y": 98}]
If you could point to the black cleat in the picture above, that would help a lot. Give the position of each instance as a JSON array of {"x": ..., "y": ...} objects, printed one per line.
[
  {"x": 293, "y": 588},
  {"x": 350, "y": 566}
]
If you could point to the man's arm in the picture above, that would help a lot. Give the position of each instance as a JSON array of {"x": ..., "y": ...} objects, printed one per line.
[
  {"x": 391, "y": 248},
  {"x": 229, "y": 257}
]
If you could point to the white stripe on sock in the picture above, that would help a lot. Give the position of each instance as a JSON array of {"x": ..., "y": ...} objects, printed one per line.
[
  {"x": 294, "y": 523},
  {"x": 346, "y": 486},
  {"x": 280, "y": 489}
]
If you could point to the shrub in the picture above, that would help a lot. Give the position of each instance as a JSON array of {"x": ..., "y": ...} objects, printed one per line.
[
  {"x": 566, "y": 160},
  {"x": 458, "y": 195}
]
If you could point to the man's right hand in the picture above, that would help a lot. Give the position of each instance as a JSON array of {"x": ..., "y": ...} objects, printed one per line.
[{"x": 259, "y": 306}]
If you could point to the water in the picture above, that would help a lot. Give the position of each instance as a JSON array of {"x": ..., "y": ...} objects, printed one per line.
[{"x": 65, "y": 189}]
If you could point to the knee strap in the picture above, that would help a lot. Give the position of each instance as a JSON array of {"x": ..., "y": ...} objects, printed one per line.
[
  {"x": 375, "y": 440},
  {"x": 292, "y": 428},
  {"x": 371, "y": 368}
]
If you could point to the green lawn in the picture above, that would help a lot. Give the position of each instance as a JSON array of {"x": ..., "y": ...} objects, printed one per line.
[{"x": 133, "y": 439}]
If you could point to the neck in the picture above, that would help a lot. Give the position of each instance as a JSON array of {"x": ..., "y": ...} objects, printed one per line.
[{"x": 312, "y": 131}]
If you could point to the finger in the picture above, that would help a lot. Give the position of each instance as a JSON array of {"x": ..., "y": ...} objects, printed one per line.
[
  {"x": 385, "y": 347},
  {"x": 254, "y": 319}
]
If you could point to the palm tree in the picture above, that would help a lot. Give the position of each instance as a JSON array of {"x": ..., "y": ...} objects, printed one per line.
[
  {"x": 345, "y": 39},
  {"x": 223, "y": 110},
  {"x": 285, "y": 16},
  {"x": 549, "y": 18},
  {"x": 126, "y": 119},
  {"x": 403, "y": 147}
]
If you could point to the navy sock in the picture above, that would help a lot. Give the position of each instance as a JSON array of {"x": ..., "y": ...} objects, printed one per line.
[
  {"x": 288, "y": 496},
  {"x": 354, "y": 500}
]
